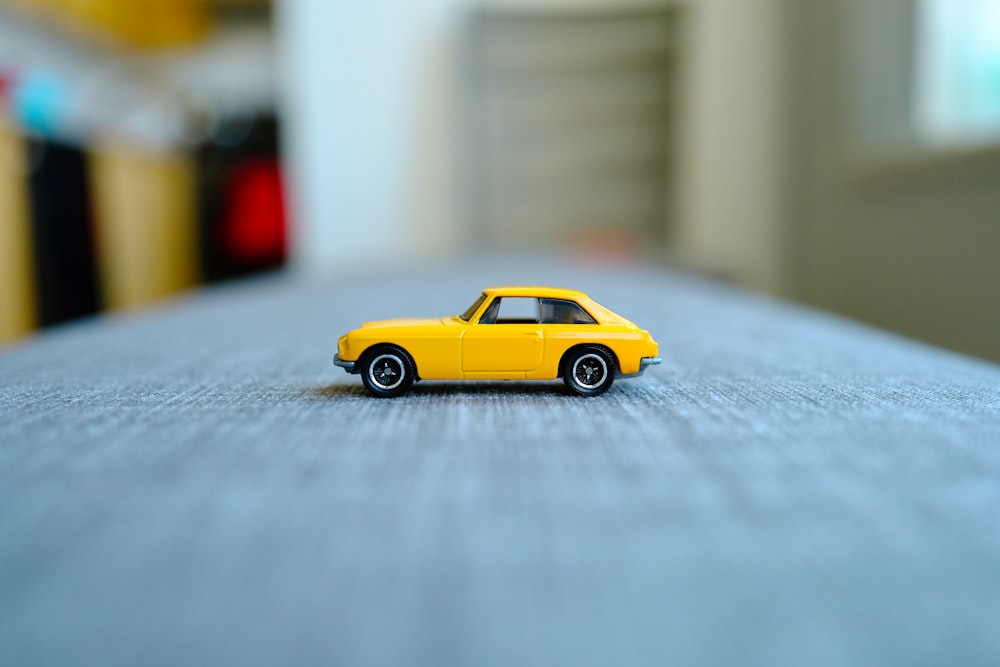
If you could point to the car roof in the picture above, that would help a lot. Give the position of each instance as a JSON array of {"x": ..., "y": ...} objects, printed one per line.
[{"x": 535, "y": 291}]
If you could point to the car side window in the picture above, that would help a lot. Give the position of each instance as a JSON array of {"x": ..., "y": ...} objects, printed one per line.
[
  {"x": 490, "y": 314},
  {"x": 561, "y": 311},
  {"x": 511, "y": 310}
]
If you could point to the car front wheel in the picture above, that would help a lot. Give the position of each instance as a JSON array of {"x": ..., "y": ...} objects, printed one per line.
[
  {"x": 388, "y": 371},
  {"x": 589, "y": 371}
]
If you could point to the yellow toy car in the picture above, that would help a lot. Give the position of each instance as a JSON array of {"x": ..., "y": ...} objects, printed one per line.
[{"x": 509, "y": 333}]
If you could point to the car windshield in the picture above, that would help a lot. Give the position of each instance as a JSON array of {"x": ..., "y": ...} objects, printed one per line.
[{"x": 473, "y": 308}]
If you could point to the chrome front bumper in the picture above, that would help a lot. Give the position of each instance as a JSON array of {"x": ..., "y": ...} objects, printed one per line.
[
  {"x": 644, "y": 363},
  {"x": 349, "y": 366}
]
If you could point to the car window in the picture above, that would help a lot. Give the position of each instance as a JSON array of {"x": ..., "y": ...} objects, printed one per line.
[
  {"x": 473, "y": 308},
  {"x": 511, "y": 310},
  {"x": 490, "y": 314},
  {"x": 561, "y": 311}
]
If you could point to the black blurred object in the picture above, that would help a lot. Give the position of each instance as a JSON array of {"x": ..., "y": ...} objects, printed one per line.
[
  {"x": 63, "y": 231},
  {"x": 241, "y": 204}
]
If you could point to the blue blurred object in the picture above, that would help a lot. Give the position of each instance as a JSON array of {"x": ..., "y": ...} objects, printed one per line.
[{"x": 39, "y": 102}]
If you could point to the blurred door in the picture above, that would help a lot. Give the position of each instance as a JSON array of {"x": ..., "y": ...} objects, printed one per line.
[{"x": 571, "y": 125}]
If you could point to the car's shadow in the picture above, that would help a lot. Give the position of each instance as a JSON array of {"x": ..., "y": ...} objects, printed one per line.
[
  {"x": 436, "y": 388},
  {"x": 337, "y": 391}
]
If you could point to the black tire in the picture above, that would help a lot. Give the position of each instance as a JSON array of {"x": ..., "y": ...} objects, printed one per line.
[
  {"x": 387, "y": 371},
  {"x": 589, "y": 370}
]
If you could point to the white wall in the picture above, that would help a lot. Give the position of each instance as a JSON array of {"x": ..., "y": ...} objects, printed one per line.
[{"x": 352, "y": 93}]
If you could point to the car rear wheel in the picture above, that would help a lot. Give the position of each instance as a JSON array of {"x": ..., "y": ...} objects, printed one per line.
[
  {"x": 589, "y": 370},
  {"x": 388, "y": 371}
]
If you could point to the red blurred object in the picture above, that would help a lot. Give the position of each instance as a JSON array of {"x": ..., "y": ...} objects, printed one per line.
[
  {"x": 253, "y": 226},
  {"x": 6, "y": 83}
]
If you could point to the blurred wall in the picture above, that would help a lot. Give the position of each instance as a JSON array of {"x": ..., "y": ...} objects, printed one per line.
[
  {"x": 369, "y": 110},
  {"x": 372, "y": 101},
  {"x": 882, "y": 226},
  {"x": 733, "y": 142}
]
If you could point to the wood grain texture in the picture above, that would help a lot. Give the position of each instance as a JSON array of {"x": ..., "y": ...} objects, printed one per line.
[{"x": 199, "y": 485}]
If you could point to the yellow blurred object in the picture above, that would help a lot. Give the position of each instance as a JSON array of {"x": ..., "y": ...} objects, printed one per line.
[
  {"x": 17, "y": 292},
  {"x": 145, "y": 24},
  {"x": 158, "y": 23},
  {"x": 146, "y": 223},
  {"x": 89, "y": 15}
]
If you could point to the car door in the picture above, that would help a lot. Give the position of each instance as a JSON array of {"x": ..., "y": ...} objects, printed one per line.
[{"x": 506, "y": 339}]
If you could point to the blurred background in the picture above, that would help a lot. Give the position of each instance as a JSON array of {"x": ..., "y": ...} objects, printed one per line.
[{"x": 841, "y": 153}]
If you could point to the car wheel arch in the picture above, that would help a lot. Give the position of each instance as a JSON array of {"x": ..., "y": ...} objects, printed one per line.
[
  {"x": 572, "y": 350},
  {"x": 363, "y": 357}
]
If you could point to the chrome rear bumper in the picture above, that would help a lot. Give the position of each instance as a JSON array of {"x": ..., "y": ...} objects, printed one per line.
[{"x": 644, "y": 363}]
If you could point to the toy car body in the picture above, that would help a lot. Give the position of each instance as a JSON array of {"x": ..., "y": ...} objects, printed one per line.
[{"x": 509, "y": 333}]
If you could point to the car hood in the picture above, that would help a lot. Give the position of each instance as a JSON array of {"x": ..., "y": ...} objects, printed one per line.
[{"x": 404, "y": 322}]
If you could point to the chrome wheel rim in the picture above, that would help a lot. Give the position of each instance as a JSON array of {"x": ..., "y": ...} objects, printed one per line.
[
  {"x": 590, "y": 370},
  {"x": 386, "y": 371}
]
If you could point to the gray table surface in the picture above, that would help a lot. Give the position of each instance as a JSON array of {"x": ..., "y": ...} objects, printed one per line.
[{"x": 197, "y": 484}]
